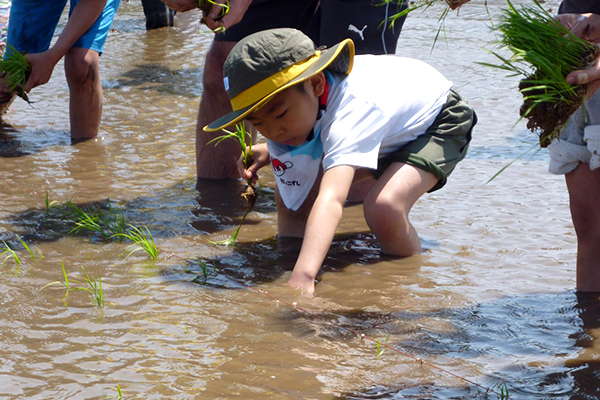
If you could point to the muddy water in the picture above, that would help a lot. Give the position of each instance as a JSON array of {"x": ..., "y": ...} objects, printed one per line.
[{"x": 491, "y": 299}]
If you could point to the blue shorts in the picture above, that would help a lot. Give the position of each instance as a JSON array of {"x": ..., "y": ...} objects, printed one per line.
[{"x": 32, "y": 24}]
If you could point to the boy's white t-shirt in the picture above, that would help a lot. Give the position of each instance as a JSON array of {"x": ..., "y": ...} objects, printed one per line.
[{"x": 384, "y": 103}]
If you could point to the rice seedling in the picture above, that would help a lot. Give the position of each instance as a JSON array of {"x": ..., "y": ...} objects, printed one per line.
[
  {"x": 107, "y": 223},
  {"x": 205, "y": 271},
  {"x": 49, "y": 204},
  {"x": 205, "y": 6},
  {"x": 142, "y": 239},
  {"x": 543, "y": 53},
  {"x": 424, "y": 5},
  {"x": 229, "y": 241},
  {"x": 249, "y": 194},
  {"x": 16, "y": 69},
  {"x": 65, "y": 282},
  {"x": 9, "y": 253},
  {"x": 504, "y": 394},
  {"x": 86, "y": 220},
  {"x": 381, "y": 347},
  {"x": 119, "y": 393},
  {"x": 94, "y": 289},
  {"x": 29, "y": 250}
]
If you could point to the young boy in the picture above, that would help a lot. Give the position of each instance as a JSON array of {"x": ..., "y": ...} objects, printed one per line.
[{"x": 395, "y": 118}]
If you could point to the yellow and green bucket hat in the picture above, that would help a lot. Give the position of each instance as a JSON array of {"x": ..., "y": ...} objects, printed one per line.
[{"x": 267, "y": 62}]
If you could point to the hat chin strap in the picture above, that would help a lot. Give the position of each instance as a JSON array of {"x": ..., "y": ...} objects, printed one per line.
[{"x": 267, "y": 86}]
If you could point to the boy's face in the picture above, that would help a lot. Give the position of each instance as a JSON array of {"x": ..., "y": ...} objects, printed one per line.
[{"x": 289, "y": 116}]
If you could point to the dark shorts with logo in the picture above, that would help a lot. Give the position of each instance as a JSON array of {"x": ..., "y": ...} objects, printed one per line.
[
  {"x": 443, "y": 144},
  {"x": 326, "y": 22}
]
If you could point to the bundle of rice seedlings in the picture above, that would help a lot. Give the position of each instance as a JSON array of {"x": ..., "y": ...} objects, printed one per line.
[
  {"x": 410, "y": 6},
  {"x": 205, "y": 6},
  {"x": 16, "y": 70},
  {"x": 544, "y": 52}
]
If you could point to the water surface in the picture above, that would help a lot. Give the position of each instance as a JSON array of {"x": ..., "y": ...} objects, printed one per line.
[{"x": 491, "y": 299}]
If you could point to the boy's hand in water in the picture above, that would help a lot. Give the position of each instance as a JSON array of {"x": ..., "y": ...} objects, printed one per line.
[
  {"x": 259, "y": 158},
  {"x": 302, "y": 282}
]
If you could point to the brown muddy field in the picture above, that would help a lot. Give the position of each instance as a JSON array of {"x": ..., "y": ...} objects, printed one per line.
[{"x": 490, "y": 304}]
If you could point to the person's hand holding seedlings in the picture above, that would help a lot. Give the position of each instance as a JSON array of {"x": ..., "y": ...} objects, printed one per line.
[
  {"x": 42, "y": 65},
  {"x": 234, "y": 10},
  {"x": 585, "y": 26},
  {"x": 258, "y": 159}
]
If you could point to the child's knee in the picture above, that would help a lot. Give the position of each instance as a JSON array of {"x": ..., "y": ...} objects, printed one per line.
[{"x": 82, "y": 66}]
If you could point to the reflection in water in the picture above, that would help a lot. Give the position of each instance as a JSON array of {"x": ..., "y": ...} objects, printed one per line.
[
  {"x": 586, "y": 367},
  {"x": 491, "y": 299}
]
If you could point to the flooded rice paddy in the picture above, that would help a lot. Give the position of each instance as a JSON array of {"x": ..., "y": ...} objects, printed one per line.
[{"x": 489, "y": 306}]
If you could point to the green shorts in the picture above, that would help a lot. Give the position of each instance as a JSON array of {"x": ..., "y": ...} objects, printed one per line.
[{"x": 443, "y": 144}]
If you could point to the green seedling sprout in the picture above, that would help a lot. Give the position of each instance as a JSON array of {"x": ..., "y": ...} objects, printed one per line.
[
  {"x": 381, "y": 347},
  {"x": 119, "y": 393},
  {"x": 29, "y": 250},
  {"x": 49, "y": 204},
  {"x": 94, "y": 289},
  {"x": 86, "y": 221},
  {"x": 421, "y": 4},
  {"x": 16, "y": 69},
  {"x": 9, "y": 253},
  {"x": 106, "y": 223},
  {"x": 504, "y": 395},
  {"x": 245, "y": 141},
  {"x": 205, "y": 6},
  {"x": 543, "y": 52},
  {"x": 142, "y": 239}
]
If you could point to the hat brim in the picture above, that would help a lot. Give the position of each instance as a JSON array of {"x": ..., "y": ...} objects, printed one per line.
[{"x": 337, "y": 58}]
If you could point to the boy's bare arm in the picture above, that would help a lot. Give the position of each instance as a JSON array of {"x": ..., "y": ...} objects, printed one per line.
[{"x": 322, "y": 222}]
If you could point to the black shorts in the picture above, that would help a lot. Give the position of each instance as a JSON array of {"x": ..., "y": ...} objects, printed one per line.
[{"x": 326, "y": 22}]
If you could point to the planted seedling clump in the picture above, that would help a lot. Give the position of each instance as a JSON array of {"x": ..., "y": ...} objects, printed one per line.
[{"x": 544, "y": 52}]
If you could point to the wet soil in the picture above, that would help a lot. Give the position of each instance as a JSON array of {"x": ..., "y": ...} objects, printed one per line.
[{"x": 547, "y": 118}]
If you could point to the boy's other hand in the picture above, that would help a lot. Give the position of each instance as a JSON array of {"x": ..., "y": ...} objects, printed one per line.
[{"x": 302, "y": 282}]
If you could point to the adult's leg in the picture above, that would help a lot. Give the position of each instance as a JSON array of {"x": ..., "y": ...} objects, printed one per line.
[
  {"x": 220, "y": 162},
  {"x": 85, "y": 103},
  {"x": 211, "y": 162},
  {"x": 584, "y": 192},
  {"x": 388, "y": 204}
]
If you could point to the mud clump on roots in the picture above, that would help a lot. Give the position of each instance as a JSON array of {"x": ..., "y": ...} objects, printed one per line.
[
  {"x": 250, "y": 195},
  {"x": 547, "y": 118}
]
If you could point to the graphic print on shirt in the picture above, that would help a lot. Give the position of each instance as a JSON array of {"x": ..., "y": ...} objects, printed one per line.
[{"x": 279, "y": 167}]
